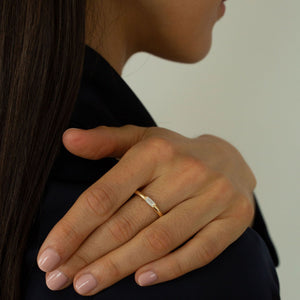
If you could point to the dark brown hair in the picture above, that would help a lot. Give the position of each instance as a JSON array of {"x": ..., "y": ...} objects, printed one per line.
[{"x": 42, "y": 47}]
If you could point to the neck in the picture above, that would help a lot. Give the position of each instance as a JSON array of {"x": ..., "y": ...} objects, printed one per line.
[{"x": 110, "y": 37}]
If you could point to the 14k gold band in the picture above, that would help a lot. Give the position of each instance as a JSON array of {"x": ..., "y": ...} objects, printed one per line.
[{"x": 150, "y": 202}]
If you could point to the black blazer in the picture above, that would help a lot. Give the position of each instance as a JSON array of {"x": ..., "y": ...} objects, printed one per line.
[{"x": 245, "y": 270}]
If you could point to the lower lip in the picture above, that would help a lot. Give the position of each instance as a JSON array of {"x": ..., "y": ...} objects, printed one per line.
[{"x": 223, "y": 9}]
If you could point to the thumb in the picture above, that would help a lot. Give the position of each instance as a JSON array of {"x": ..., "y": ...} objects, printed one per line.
[{"x": 102, "y": 141}]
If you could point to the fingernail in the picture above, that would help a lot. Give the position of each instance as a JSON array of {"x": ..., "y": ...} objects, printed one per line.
[
  {"x": 85, "y": 283},
  {"x": 56, "y": 280},
  {"x": 147, "y": 278},
  {"x": 48, "y": 260}
]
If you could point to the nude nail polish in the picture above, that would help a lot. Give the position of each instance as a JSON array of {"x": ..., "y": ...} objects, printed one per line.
[
  {"x": 85, "y": 283},
  {"x": 48, "y": 260},
  {"x": 147, "y": 278},
  {"x": 56, "y": 279}
]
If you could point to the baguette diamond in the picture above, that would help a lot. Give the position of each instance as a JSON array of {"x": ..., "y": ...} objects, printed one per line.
[{"x": 149, "y": 201}]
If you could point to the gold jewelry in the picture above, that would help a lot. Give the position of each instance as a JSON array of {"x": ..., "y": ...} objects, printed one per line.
[{"x": 150, "y": 202}]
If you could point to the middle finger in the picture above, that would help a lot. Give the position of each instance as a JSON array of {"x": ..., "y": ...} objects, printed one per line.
[
  {"x": 126, "y": 222},
  {"x": 95, "y": 205},
  {"x": 153, "y": 242}
]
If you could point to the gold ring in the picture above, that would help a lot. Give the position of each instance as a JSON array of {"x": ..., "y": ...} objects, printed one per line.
[{"x": 150, "y": 202}]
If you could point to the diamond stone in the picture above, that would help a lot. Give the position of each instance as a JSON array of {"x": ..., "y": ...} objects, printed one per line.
[{"x": 150, "y": 201}]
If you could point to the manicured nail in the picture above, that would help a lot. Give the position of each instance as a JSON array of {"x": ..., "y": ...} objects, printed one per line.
[
  {"x": 85, "y": 283},
  {"x": 56, "y": 280},
  {"x": 147, "y": 278},
  {"x": 48, "y": 260}
]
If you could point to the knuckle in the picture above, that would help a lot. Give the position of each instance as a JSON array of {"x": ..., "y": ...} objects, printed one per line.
[
  {"x": 160, "y": 147},
  {"x": 177, "y": 268},
  {"x": 112, "y": 268},
  {"x": 193, "y": 171},
  {"x": 81, "y": 259},
  {"x": 157, "y": 240},
  {"x": 69, "y": 233},
  {"x": 224, "y": 187},
  {"x": 100, "y": 201},
  {"x": 246, "y": 208},
  {"x": 195, "y": 165},
  {"x": 206, "y": 252},
  {"x": 121, "y": 229}
]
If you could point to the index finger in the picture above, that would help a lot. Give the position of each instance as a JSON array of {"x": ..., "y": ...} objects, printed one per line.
[{"x": 93, "y": 207}]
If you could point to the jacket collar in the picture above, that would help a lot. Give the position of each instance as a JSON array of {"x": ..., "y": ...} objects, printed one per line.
[{"x": 104, "y": 98}]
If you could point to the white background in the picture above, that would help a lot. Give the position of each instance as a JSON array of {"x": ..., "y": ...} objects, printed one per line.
[{"x": 247, "y": 91}]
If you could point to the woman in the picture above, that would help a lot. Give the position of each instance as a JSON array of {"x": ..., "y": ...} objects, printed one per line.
[{"x": 76, "y": 194}]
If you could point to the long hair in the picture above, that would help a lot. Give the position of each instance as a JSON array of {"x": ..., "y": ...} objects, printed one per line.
[{"x": 42, "y": 47}]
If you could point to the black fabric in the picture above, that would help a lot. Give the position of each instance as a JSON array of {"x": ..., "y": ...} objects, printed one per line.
[
  {"x": 245, "y": 270},
  {"x": 260, "y": 226}
]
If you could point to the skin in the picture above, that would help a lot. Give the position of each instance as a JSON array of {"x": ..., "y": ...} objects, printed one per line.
[
  {"x": 202, "y": 185},
  {"x": 182, "y": 30}
]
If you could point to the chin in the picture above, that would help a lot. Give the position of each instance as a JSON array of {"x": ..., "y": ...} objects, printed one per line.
[
  {"x": 198, "y": 52},
  {"x": 189, "y": 54},
  {"x": 192, "y": 58},
  {"x": 183, "y": 57}
]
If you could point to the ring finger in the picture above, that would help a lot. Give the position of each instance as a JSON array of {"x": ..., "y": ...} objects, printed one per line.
[
  {"x": 152, "y": 243},
  {"x": 132, "y": 217}
]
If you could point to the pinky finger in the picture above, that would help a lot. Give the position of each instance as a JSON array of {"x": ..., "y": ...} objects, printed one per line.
[{"x": 205, "y": 246}]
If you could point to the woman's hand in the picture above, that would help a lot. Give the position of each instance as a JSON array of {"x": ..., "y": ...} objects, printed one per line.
[{"x": 202, "y": 185}]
